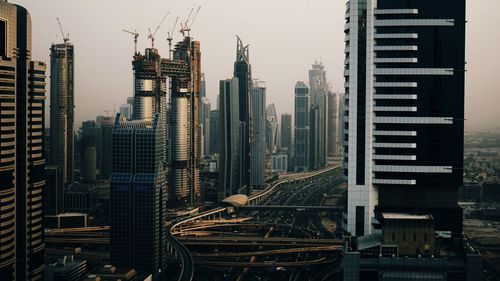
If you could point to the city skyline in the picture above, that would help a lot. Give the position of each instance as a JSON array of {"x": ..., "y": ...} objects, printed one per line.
[{"x": 326, "y": 18}]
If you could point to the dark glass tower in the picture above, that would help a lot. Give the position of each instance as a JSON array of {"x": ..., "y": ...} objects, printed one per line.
[
  {"x": 301, "y": 127},
  {"x": 230, "y": 133},
  {"x": 286, "y": 132},
  {"x": 404, "y": 78},
  {"x": 243, "y": 71},
  {"x": 138, "y": 188},
  {"x": 22, "y": 160}
]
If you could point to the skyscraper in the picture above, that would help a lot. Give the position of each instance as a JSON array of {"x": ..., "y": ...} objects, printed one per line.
[
  {"x": 22, "y": 178},
  {"x": 205, "y": 125},
  {"x": 301, "y": 150},
  {"x": 138, "y": 196},
  {"x": 318, "y": 90},
  {"x": 184, "y": 128},
  {"x": 214, "y": 132},
  {"x": 286, "y": 132},
  {"x": 314, "y": 137},
  {"x": 258, "y": 146},
  {"x": 273, "y": 140},
  {"x": 62, "y": 107},
  {"x": 405, "y": 95},
  {"x": 332, "y": 124},
  {"x": 230, "y": 132},
  {"x": 243, "y": 71}
]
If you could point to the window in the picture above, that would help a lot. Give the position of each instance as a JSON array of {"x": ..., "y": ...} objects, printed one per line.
[
  {"x": 393, "y": 236},
  {"x": 3, "y": 38},
  {"x": 414, "y": 237},
  {"x": 425, "y": 237},
  {"x": 404, "y": 237}
]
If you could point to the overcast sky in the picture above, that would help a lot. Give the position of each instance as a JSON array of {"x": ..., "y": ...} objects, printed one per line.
[{"x": 285, "y": 37}]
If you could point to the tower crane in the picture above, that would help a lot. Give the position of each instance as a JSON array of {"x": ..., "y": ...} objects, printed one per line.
[
  {"x": 187, "y": 27},
  {"x": 65, "y": 37},
  {"x": 169, "y": 38},
  {"x": 136, "y": 35},
  {"x": 152, "y": 35}
]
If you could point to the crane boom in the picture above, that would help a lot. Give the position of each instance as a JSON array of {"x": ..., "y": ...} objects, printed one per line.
[
  {"x": 65, "y": 37},
  {"x": 195, "y": 15},
  {"x": 152, "y": 35},
  {"x": 136, "y": 35}
]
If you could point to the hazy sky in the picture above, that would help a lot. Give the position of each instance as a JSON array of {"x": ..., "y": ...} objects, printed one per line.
[{"x": 285, "y": 37}]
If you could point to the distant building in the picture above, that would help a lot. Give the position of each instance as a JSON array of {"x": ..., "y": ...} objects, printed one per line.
[
  {"x": 318, "y": 100},
  {"x": 332, "y": 124},
  {"x": 274, "y": 137},
  {"x": 286, "y": 132},
  {"x": 89, "y": 159},
  {"x": 126, "y": 111},
  {"x": 105, "y": 125},
  {"x": 62, "y": 107},
  {"x": 205, "y": 125},
  {"x": 258, "y": 145},
  {"x": 314, "y": 138},
  {"x": 53, "y": 193},
  {"x": 301, "y": 151},
  {"x": 213, "y": 134},
  {"x": 243, "y": 71},
  {"x": 22, "y": 122},
  {"x": 66, "y": 220},
  {"x": 279, "y": 163},
  {"x": 230, "y": 132}
]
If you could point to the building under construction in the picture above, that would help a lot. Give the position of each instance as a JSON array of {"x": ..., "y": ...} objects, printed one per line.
[{"x": 171, "y": 87}]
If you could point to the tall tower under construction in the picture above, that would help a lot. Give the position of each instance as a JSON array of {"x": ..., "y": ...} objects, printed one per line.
[{"x": 184, "y": 123}]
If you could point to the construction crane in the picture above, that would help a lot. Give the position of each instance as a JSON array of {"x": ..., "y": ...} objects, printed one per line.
[
  {"x": 152, "y": 35},
  {"x": 187, "y": 27},
  {"x": 136, "y": 35},
  {"x": 65, "y": 38},
  {"x": 169, "y": 38}
]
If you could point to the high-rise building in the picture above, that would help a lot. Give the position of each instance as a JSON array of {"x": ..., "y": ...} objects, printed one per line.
[
  {"x": 301, "y": 151},
  {"x": 53, "y": 194},
  {"x": 138, "y": 196},
  {"x": 184, "y": 123},
  {"x": 273, "y": 140},
  {"x": 243, "y": 71},
  {"x": 130, "y": 101},
  {"x": 230, "y": 132},
  {"x": 88, "y": 159},
  {"x": 318, "y": 90},
  {"x": 286, "y": 132},
  {"x": 332, "y": 123},
  {"x": 205, "y": 125},
  {"x": 22, "y": 164},
  {"x": 105, "y": 126},
  {"x": 62, "y": 107},
  {"x": 214, "y": 132},
  {"x": 126, "y": 111},
  {"x": 314, "y": 137},
  {"x": 404, "y": 78},
  {"x": 258, "y": 145}
]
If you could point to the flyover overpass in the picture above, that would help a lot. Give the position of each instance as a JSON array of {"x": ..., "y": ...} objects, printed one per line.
[{"x": 289, "y": 208}]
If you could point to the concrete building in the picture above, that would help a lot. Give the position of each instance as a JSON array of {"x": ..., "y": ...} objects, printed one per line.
[
  {"x": 243, "y": 71},
  {"x": 62, "y": 106},
  {"x": 258, "y": 145},
  {"x": 301, "y": 151},
  {"x": 318, "y": 100},
  {"x": 314, "y": 138},
  {"x": 138, "y": 196},
  {"x": 404, "y": 78},
  {"x": 105, "y": 126},
  {"x": 22, "y": 122},
  {"x": 230, "y": 132}
]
